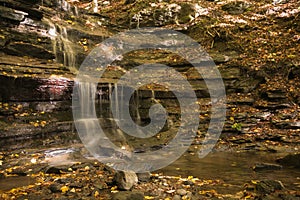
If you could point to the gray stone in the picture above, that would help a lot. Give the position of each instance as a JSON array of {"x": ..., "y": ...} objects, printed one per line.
[
  {"x": 144, "y": 177},
  {"x": 176, "y": 197},
  {"x": 181, "y": 192},
  {"x": 125, "y": 180},
  {"x": 189, "y": 195}
]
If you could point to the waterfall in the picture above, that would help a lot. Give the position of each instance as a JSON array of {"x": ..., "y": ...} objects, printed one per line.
[
  {"x": 110, "y": 99},
  {"x": 116, "y": 101},
  {"x": 87, "y": 92},
  {"x": 62, "y": 46},
  {"x": 67, "y": 7},
  {"x": 65, "y": 46},
  {"x": 122, "y": 103},
  {"x": 138, "y": 117}
]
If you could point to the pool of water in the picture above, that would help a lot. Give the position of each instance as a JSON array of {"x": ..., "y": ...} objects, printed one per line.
[{"x": 233, "y": 168}]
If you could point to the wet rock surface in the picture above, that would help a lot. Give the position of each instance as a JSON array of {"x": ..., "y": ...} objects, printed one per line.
[{"x": 292, "y": 160}]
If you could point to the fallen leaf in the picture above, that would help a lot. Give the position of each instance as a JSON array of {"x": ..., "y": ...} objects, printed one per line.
[{"x": 64, "y": 189}]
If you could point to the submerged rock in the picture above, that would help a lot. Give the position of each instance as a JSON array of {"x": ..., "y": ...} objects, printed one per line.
[
  {"x": 290, "y": 160},
  {"x": 56, "y": 169},
  {"x": 269, "y": 186},
  {"x": 266, "y": 166}
]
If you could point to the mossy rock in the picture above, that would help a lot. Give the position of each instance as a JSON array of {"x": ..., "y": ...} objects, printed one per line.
[{"x": 185, "y": 13}]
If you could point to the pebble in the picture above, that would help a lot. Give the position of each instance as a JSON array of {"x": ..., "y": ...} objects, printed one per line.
[
  {"x": 144, "y": 177},
  {"x": 55, "y": 187},
  {"x": 176, "y": 197},
  {"x": 189, "y": 195},
  {"x": 181, "y": 192}
]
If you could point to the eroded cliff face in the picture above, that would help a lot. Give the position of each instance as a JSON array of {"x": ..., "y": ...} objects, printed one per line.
[{"x": 43, "y": 44}]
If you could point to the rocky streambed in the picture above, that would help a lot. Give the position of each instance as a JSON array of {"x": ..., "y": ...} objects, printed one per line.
[{"x": 70, "y": 172}]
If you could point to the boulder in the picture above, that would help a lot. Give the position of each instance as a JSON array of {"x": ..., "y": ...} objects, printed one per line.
[{"x": 125, "y": 180}]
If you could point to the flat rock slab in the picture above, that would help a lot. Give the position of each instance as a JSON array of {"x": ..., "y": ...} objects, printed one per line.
[
  {"x": 290, "y": 160},
  {"x": 127, "y": 195}
]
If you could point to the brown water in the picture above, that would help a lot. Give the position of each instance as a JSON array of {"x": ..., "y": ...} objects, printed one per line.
[
  {"x": 233, "y": 168},
  {"x": 15, "y": 182}
]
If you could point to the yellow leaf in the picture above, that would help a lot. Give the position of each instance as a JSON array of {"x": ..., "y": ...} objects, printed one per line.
[
  {"x": 35, "y": 124},
  {"x": 148, "y": 197},
  {"x": 231, "y": 118},
  {"x": 43, "y": 123},
  {"x": 73, "y": 190},
  {"x": 64, "y": 189},
  {"x": 113, "y": 188},
  {"x": 96, "y": 194}
]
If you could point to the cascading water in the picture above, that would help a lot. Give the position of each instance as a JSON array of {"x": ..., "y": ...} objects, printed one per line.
[
  {"x": 89, "y": 129},
  {"x": 67, "y": 7},
  {"x": 65, "y": 46},
  {"x": 110, "y": 97},
  {"x": 87, "y": 94},
  {"x": 137, "y": 103},
  {"x": 117, "y": 101},
  {"x": 62, "y": 45}
]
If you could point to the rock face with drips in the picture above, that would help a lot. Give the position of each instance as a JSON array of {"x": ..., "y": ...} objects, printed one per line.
[{"x": 42, "y": 42}]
